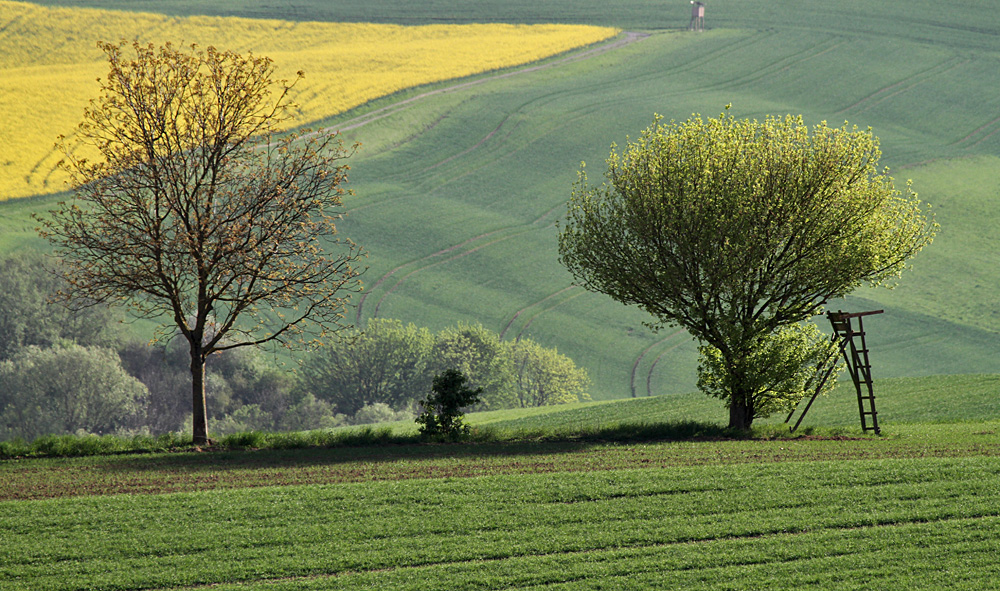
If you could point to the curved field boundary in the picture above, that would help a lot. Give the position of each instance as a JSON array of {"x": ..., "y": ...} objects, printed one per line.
[
  {"x": 357, "y": 122},
  {"x": 622, "y": 40},
  {"x": 968, "y": 138},
  {"x": 652, "y": 366},
  {"x": 785, "y": 63},
  {"x": 530, "y": 306},
  {"x": 460, "y": 255},
  {"x": 444, "y": 251},
  {"x": 428, "y": 261}
]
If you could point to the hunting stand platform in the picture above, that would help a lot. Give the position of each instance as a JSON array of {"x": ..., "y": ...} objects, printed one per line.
[{"x": 858, "y": 365}]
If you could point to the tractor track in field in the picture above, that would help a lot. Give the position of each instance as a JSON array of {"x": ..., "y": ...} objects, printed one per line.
[
  {"x": 638, "y": 361},
  {"x": 620, "y": 41},
  {"x": 883, "y": 94},
  {"x": 972, "y": 135}
]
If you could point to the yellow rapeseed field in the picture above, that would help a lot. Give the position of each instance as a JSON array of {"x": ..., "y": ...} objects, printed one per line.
[{"x": 49, "y": 63}]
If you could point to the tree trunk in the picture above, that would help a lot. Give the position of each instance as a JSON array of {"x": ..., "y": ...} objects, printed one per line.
[
  {"x": 740, "y": 413},
  {"x": 200, "y": 428}
]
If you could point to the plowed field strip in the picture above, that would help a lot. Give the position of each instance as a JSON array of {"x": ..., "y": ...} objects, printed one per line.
[{"x": 35, "y": 479}]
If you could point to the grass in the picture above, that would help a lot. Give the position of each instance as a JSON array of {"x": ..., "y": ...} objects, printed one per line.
[{"x": 485, "y": 170}]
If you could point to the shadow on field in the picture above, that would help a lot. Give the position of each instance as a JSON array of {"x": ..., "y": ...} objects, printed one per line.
[{"x": 383, "y": 448}]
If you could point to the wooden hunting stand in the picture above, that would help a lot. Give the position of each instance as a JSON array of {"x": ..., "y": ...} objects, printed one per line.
[
  {"x": 858, "y": 366},
  {"x": 697, "y": 16}
]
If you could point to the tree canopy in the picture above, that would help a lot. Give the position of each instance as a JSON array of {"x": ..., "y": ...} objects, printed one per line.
[
  {"x": 197, "y": 213},
  {"x": 735, "y": 228}
]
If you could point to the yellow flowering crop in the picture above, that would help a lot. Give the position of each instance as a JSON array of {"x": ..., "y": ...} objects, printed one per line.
[{"x": 49, "y": 63}]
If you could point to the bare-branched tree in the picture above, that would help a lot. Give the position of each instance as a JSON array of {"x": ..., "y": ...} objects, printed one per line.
[{"x": 197, "y": 213}]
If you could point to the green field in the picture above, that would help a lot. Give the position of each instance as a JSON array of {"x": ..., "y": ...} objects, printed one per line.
[
  {"x": 917, "y": 508},
  {"x": 457, "y": 193}
]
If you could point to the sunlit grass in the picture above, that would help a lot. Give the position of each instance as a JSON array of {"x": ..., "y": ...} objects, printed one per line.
[{"x": 49, "y": 63}]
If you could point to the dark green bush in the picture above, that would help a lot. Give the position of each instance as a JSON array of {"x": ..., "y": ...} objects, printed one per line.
[{"x": 443, "y": 407}]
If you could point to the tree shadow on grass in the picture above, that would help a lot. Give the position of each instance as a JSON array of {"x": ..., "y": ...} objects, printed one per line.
[{"x": 257, "y": 450}]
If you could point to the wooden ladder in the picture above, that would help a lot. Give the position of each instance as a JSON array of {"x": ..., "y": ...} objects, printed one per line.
[{"x": 858, "y": 364}]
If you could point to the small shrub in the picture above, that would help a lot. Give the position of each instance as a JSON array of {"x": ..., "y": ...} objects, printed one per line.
[{"x": 443, "y": 414}]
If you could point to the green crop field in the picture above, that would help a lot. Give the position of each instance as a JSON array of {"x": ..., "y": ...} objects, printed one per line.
[
  {"x": 917, "y": 508},
  {"x": 927, "y": 523},
  {"x": 457, "y": 193},
  {"x": 459, "y": 187}
]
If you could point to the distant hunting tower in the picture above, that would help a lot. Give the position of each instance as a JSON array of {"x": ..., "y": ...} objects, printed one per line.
[{"x": 697, "y": 16}]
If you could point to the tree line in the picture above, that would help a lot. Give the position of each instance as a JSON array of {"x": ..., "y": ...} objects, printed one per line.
[{"x": 68, "y": 371}]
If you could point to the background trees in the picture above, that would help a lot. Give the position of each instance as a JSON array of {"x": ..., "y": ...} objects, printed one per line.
[
  {"x": 393, "y": 364},
  {"x": 197, "y": 214},
  {"x": 734, "y": 229},
  {"x": 544, "y": 376},
  {"x": 64, "y": 389},
  {"x": 28, "y": 281},
  {"x": 386, "y": 363}
]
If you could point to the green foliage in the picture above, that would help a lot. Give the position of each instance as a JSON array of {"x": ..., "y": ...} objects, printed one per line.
[
  {"x": 65, "y": 389},
  {"x": 393, "y": 365},
  {"x": 386, "y": 363},
  {"x": 544, "y": 376},
  {"x": 916, "y": 95},
  {"x": 444, "y": 406},
  {"x": 379, "y": 412},
  {"x": 28, "y": 317},
  {"x": 91, "y": 445},
  {"x": 733, "y": 229},
  {"x": 308, "y": 412},
  {"x": 782, "y": 368},
  {"x": 482, "y": 358}
]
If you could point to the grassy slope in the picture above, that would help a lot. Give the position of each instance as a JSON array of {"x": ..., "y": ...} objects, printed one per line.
[
  {"x": 457, "y": 193},
  {"x": 899, "y": 401}
]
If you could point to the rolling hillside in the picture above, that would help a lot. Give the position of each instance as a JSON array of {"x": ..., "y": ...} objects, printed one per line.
[{"x": 458, "y": 192}]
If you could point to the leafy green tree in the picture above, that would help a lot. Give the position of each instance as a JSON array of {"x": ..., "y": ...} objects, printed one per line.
[
  {"x": 781, "y": 369},
  {"x": 379, "y": 413},
  {"x": 484, "y": 360},
  {"x": 545, "y": 376},
  {"x": 308, "y": 412},
  {"x": 28, "y": 317},
  {"x": 444, "y": 407},
  {"x": 733, "y": 229},
  {"x": 198, "y": 214},
  {"x": 386, "y": 363},
  {"x": 63, "y": 389}
]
